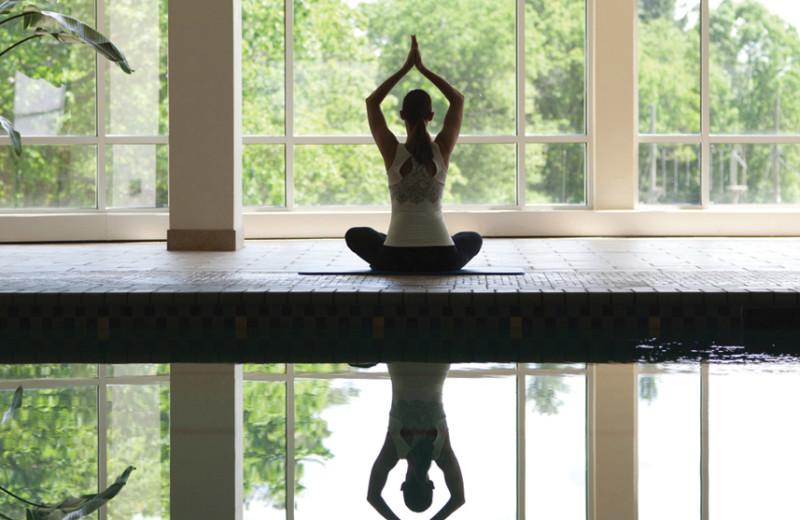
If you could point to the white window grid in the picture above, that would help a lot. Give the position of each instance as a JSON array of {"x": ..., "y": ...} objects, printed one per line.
[
  {"x": 101, "y": 140},
  {"x": 290, "y": 376},
  {"x": 101, "y": 382},
  {"x": 519, "y": 371},
  {"x": 519, "y": 139},
  {"x": 706, "y": 139}
]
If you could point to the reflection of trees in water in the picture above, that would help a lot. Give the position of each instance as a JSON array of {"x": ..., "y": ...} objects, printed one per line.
[
  {"x": 265, "y": 432},
  {"x": 754, "y": 82},
  {"x": 648, "y": 387},
  {"x": 51, "y": 448},
  {"x": 544, "y": 392},
  {"x": 54, "y": 448}
]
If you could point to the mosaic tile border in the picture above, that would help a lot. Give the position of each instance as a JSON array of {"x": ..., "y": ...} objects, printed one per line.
[{"x": 319, "y": 325}]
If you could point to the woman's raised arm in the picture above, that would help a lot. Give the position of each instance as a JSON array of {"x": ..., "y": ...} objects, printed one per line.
[
  {"x": 451, "y": 127},
  {"x": 387, "y": 459},
  {"x": 384, "y": 138}
]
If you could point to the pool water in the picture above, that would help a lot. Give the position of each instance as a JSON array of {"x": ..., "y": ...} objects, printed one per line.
[{"x": 713, "y": 439}]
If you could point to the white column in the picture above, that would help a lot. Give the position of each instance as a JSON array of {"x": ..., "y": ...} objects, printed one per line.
[
  {"x": 206, "y": 446},
  {"x": 614, "y": 480},
  {"x": 616, "y": 106},
  {"x": 205, "y": 127}
]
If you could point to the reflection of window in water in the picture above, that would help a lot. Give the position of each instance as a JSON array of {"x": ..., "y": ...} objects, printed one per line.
[
  {"x": 481, "y": 403},
  {"x": 713, "y": 440},
  {"x": 718, "y": 441}
]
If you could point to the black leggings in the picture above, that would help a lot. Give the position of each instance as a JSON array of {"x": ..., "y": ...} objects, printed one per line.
[{"x": 368, "y": 244}]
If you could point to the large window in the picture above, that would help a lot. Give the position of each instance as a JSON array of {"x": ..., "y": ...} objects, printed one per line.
[
  {"x": 719, "y": 112},
  {"x": 309, "y": 65},
  {"x": 717, "y": 440},
  {"x": 78, "y": 428},
  {"x": 93, "y": 137},
  {"x": 84, "y": 424},
  {"x": 504, "y": 420}
]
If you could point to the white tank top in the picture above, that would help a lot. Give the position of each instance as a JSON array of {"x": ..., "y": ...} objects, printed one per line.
[
  {"x": 417, "y": 219},
  {"x": 417, "y": 408}
]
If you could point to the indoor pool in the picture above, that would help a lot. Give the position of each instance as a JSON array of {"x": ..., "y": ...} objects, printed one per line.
[{"x": 676, "y": 439}]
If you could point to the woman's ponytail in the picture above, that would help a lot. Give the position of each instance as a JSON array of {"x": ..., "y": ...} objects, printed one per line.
[{"x": 417, "y": 108}]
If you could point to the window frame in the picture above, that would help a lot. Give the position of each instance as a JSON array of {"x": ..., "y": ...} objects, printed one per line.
[
  {"x": 290, "y": 140},
  {"x": 705, "y": 139},
  {"x": 612, "y": 142},
  {"x": 102, "y": 141}
]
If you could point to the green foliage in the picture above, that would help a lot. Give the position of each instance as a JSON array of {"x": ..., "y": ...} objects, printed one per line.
[
  {"x": 265, "y": 434},
  {"x": 342, "y": 50},
  {"x": 37, "y": 478},
  {"x": 754, "y": 89},
  {"x": 544, "y": 392}
]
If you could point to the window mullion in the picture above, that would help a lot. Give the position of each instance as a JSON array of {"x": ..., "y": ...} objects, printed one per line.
[
  {"x": 290, "y": 448},
  {"x": 704, "y": 443},
  {"x": 705, "y": 108},
  {"x": 521, "y": 418},
  {"x": 101, "y": 66},
  {"x": 521, "y": 177},
  {"x": 289, "y": 96},
  {"x": 102, "y": 433}
]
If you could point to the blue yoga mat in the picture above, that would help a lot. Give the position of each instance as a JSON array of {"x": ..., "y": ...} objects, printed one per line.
[{"x": 460, "y": 272}]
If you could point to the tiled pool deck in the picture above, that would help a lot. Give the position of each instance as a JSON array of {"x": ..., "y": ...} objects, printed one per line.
[{"x": 577, "y": 299}]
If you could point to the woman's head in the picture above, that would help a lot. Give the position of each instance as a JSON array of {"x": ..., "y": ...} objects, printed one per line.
[
  {"x": 417, "y": 493},
  {"x": 418, "y": 488},
  {"x": 417, "y": 107},
  {"x": 416, "y": 113}
]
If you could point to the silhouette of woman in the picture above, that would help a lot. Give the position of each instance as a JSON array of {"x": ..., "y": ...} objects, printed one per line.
[
  {"x": 418, "y": 238},
  {"x": 417, "y": 433}
]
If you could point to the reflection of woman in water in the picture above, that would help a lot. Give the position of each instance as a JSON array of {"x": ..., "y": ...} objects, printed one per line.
[
  {"x": 418, "y": 238},
  {"x": 418, "y": 433}
]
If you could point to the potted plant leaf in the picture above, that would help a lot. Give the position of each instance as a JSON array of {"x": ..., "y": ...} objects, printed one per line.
[
  {"x": 72, "y": 508},
  {"x": 62, "y": 28}
]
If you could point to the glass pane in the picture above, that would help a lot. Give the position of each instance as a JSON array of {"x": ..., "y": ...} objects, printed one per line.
[
  {"x": 264, "y": 450},
  {"x": 137, "y": 370},
  {"x": 136, "y": 104},
  {"x": 755, "y": 173},
  {"x": 339, "y": 430},
  {"x": 343, "y": 50},
  {"x": 469, "y": 367},
  {"x": 482, "y": 418},
  {"x": 755, "y": 48},
  {"x": 555, "y": 479},
  {"x": 48, "y": 88},
  {"x": 138, "y": 435},
  {"x": 263, "y": 98},
  {"x": 339, "y": 175},
  {"x": 50, "y": 447},
  {"x": 753, "y": 432},
  {"x": 353, "y": 416},
  {"x": 48, "y": 177},
  {"x": 137, "y": 176},
  {"x": 556, "y": 366},
  {"x": 47, "y": 371},
  {"x": 555, "y": 67},
  {"x": 669, "y": 67},
  {"x": 669, "y": 174},
  {"x": 278, "y": 368},
  {"x": 263, "y": 175},
  {"x": 482, "y": 174},
  {"x": 335, "y": 368},
  {"x": 669, "y": 445},
  {"x": 555, "y": 173}
]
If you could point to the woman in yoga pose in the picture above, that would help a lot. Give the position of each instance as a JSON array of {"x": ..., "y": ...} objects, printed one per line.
[
  {"x": 418, "y": 433},
  {"x": 418, "y": 239}
]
